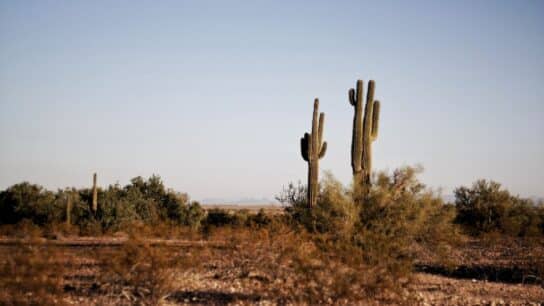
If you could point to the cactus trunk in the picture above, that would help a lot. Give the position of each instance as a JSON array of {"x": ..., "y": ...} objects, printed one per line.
[
  {"x": 365, "y": 131},
  {"x": 313, "y": 183},
  {"x": 95, "y": 195},
  {"x": 69, "y": 209},
  {"x": 313, "y": 148}
]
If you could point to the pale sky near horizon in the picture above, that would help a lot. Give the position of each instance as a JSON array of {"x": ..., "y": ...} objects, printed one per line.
[{"x": 214, "y": 95}]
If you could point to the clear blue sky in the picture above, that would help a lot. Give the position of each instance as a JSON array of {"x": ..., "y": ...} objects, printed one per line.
[{"x": 214, "y": 95}]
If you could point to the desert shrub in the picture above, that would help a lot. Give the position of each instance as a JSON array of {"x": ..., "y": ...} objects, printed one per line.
[
  {"x": 146, "y": 201},
  {"x": 259, "y": 219},
  {"x": 487, "y": 207},
  {"x": 191, "y": 214},
  {"x": 335, "y": 212},
  {"x": 31, "y": 275},
  {"x": 398, "y": 213},
  {"x": 26, "y": 201},
  {"x": 142, "y": 273},
  {"x": 24, "y": 229},
  {"x": 297, "y": 267},
  {"x": 222, "y": 217},
  {"x": 378, "y": 233}
]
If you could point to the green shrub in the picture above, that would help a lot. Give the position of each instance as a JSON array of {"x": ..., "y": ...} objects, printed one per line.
[
  {"x": 26, "y": 201},
  {"x": 260, "y": 219},
  {"x": 486, "y": 207},
  {"x": 221, "y": 217},
  {"x": 145, "y": 201},
  {"x": 335, "y": 212},
  {"x": 399, "y": 213}
]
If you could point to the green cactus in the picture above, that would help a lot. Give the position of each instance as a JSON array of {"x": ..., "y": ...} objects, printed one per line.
[
  {"x": 365, "y": 131},
  {"x": 313, "y": 149},
  {"x": 95, "y": 195}
]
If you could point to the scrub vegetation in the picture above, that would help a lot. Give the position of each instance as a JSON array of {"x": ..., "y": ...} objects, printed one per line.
[{"x": 385, "y": 239}]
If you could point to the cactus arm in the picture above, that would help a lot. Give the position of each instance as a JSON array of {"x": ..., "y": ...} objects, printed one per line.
[
  {"x": 320, "y": 130},
  {"x": 323, "y": 150},
  {"x": 304, "y": 146},
  {"x": 375, "y": 120},
  {"x": 370, "y": 91},
  {"x": 315, "y": 130},
  {"x": 352, "y": 99},
  {"x": 367, "y": 123},
  {"x": 360, "y": 90}
]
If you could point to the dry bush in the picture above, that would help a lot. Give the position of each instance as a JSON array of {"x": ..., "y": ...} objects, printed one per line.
[
  {"x": 399, "y": 213},
  {"x": 335, "y": 212},
  {"x": 377, "y": 235},
  {"x": 295, "y": 266},
  {"x": 141, "y": 273},
  {"x": 31, "y": 275},
  {"x": 60, "y": 230},
  {"x": 24, "y": 229}
]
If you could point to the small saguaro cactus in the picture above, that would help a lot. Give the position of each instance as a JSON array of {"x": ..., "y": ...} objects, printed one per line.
[
  {"x": 95, "y": 195},
  {"x": 365, "y": 131},
  {"x": 313, "y": 149},
  {"x": 69, "y": 208}
]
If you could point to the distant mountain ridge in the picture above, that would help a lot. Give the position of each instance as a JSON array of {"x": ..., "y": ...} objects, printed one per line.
[{"x": 239, "y": 201}]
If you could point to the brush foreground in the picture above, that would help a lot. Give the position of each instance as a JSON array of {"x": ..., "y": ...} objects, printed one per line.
[{"x": 244, "y": 267}]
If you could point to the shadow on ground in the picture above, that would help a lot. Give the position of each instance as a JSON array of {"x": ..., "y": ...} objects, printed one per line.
[
  {"x": 211, "y": 297},
  {"x": 512, "y": 275}
]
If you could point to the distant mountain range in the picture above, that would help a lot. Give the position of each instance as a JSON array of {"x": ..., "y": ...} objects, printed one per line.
[{"x": 239, "y": 201}]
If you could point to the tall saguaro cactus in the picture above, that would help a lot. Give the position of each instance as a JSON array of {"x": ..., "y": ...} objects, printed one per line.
[
  {"x": 95, "y": 195},
  {"x": 313, "y": 149},
  {"x": 365, "y": 131}
]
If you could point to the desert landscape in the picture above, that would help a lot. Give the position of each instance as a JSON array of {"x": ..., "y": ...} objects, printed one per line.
[
  {"x": 232, "y": 255},
  {"x": 272, "y": 152}
]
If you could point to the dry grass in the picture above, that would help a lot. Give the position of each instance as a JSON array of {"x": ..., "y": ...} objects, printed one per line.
[
  {"x": 267, "y": 264},
  {"x": 294, "y": 266},
  {"x": 31, "y": 275}
]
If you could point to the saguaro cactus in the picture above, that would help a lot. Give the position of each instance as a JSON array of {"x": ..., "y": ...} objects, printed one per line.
[
  {"x": 365, "y": 131},
  {"x": 69, "y": 207},
  {"x": 95, "y": 195},
  {"x": 313, "y": 149}
]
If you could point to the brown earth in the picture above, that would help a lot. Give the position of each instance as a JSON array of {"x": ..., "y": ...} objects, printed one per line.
[{"x": 220, "y": 278}]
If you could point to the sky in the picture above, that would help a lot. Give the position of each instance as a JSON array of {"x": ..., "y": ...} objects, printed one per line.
[{"x": 214, "y": 96}]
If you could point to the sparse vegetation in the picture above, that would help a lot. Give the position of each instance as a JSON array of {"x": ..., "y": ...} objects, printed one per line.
[
  {"x": 486, "y": 208},
  {"x": 333, "y": 244},
  {"x": 339, "y": 252},
  {"x": 145, "y": 201}
]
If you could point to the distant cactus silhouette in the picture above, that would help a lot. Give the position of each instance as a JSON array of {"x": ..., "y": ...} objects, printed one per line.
[
  {"x": 69, "y": 208},
  {"x": 313, "y": 149},
  {"x": 365, "y": 131},
  {"x": 95, "y": 195}
]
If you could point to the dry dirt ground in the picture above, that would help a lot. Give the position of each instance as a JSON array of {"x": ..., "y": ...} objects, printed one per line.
[{"x": 221, "y": 279}]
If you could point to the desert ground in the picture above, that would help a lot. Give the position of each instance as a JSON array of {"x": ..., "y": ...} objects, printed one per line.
[{"x": 225, "y": 269}]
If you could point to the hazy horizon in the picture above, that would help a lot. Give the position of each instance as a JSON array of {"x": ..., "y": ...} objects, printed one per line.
[{"x": 214, "y": 96}]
